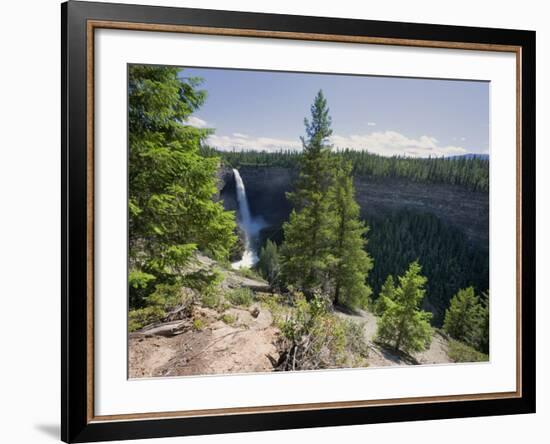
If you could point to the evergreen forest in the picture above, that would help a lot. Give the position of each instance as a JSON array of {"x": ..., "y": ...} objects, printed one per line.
[{"x": 410, "y": 273}]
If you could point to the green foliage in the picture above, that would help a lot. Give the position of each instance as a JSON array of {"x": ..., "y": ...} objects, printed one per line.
[
  {"x": 460, "y": 352},
  {"x": 351, "y": 261},
  {"x": 141, "y": 317},
  {"x": 207, "y": 285},
  {"x": 248, "y": 273},
  {"x": 171, "y": 183},
  {"x": 141, "y": 285},
  {"x": 268, "y": 263},
  {"x": 403, "y": 325},
  {"x": 471, "y": 173},
  {"x": 164, "y": 298},
  {"x": 314, "y": 338},
  {"x": 482, "y": 343},
  {"x": 387, "y": 294},
  {"x": 228, "y": 318},
  {"x": 462, "y": 316},
  {"x": 241, "y": 296},
  {"x": 467, "y": 319},
  {"x": 448, "y": 259},
  {"x": 139, "y": 279},
  {"x": 305, "y": 255},
  {"x": 198, "y": 324},
  {"x": 324, "y": 247},
  {"x": 355, "y": 337}
]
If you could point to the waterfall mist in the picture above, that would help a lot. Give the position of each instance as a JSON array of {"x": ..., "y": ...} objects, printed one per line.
[{"x": 249, "y": 225}]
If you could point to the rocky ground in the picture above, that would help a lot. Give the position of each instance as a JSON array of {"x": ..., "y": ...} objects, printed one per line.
[
  {"x": 247, "y": 345},
  {"x": 242, "y": 340}
]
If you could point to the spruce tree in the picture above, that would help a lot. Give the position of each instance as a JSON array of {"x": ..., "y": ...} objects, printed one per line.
[
  {"x": 386, "y": 295},
  {"x": 482, "y": 343},
  {"x": 305, "y": 254},
  {"x": 403, "y": 325},
  {"x": 268, "y": 263},
  {"x": 351, "y": 261},
  {"x": 172, "y": 212},
  {"x": 466, "y": 317}
]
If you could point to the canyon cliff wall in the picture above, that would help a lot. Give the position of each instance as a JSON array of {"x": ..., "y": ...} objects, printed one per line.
[{"x": 378, "y": 198}]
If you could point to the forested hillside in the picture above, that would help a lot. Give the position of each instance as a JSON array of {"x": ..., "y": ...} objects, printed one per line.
[
  {"x": 442, "y": 225},
  {"x": 336, "y": 283},
  {"x": 448, "y": 260},
  {"x": 467, "y": 171}
]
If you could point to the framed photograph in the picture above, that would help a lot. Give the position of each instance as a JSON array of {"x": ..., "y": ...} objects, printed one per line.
[{"x": 275, "y": 221}]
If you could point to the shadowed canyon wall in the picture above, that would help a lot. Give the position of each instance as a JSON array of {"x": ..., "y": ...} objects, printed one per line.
[{"x": 465, "y": 210}]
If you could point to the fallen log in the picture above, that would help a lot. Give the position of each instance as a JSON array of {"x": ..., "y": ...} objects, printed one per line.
[{"x": 167, "y": 329}]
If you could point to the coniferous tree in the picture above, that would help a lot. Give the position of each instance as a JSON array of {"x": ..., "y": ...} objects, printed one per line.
[
  {"x": 403, "y": 325},
  {"x": 305, "y": 254},
  {"x": 467, "y": 319},
  {"x": 268, "y": 263},
  {"x": 351, "y": 261},
  {"x": 387, "y": 294},
  {"x": 463, "y": 317},
  {"x": 483, "y": 336},
  {"x": 171, "y": 184}
]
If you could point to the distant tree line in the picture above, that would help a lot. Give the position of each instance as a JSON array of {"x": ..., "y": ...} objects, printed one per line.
[
  {"x": 469, "y": 172},
  {"x": 324, "y": 254}
]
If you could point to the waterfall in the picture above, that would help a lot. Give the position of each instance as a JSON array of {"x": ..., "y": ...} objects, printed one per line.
[{"x": 249, "y": 226}]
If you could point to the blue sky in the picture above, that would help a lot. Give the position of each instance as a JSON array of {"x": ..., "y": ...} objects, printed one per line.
[{"x": 387, "y": 115}]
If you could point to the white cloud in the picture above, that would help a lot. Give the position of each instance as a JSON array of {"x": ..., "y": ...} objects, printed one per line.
[
  {"x": 242, "y": 142},
  {"x": 196, "y": 122},
  {"x": 371, "y": 123},
  {"x": 392, "y": 143},
  {"x": 385, "y": 143}
]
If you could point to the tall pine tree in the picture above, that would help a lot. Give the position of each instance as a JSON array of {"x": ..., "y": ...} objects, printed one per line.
[
  {"x": 351, "y": 261},
  {"x": 305, "y": 254},
  {"x": 403, "y": 325},
  {"x": 172, "y": 212}
]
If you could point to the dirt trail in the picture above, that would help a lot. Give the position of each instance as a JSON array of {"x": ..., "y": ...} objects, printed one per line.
[{"x": 247, "y": 345}]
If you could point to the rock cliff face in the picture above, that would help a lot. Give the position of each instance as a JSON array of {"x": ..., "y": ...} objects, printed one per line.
[{"x": 466, "y": 210}]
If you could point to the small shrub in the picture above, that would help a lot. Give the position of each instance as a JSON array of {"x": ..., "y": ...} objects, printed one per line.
[
  {"x": 249, "y": 273},
  {"x": 157, "y": 305},
  {"x": 140, "y": 284},
  {"x": 355, "y": 337},
  {"x": 198, "y": 324},
  {"x": 241, "y": 296},
  {"x": 137, "y": 319},
  {"x": 212, "y": 299},
  {"x": 210, "y": 292},
  {"x": 313, "y": 338},
  {"x": 228, "y": 318},
  {"x": 166, "y": 296},
  {"x": 460, "y": 352},
  {"x": 276, "y": 307}
]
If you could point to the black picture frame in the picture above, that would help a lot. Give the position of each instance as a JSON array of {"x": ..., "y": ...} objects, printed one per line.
[{"x": 76, "y": 423}]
